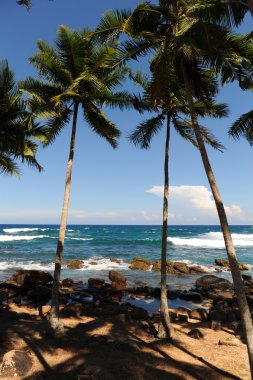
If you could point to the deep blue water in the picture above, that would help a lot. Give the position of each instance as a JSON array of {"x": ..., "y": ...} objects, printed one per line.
[{"x": 33, "y": 247}]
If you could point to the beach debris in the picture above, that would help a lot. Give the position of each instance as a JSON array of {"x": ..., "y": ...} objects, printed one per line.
[{"x": 16, "y": 364}]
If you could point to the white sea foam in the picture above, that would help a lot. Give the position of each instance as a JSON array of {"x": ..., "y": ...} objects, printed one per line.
[
  {"x": 103, "y": 264},
  {"x": 6, "y": 238},
  {"x": 17, "y": 230},
  {"x": 213, "y": 240},
  {"x": 83, "y": 239},
  {"x": 4, "y": 265}
]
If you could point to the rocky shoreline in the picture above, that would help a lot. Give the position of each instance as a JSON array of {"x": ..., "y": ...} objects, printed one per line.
[{"x": 215, "y": 305}]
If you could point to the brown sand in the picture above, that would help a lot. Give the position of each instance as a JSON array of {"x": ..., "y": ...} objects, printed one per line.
[{"x": 111, "y": 348}]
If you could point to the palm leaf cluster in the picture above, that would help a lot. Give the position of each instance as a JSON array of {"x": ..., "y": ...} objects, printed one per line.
[{"x": 17, "y": 138}]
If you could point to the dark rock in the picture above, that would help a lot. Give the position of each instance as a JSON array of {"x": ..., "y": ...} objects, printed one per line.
[
  {"x": 250, "y": 300},
  {"x": 31, "y": 277},
  {"x": 199, "y": 314},
  {"x": 140, "y": 264},
  {"x": 157, "y": 292},
  {"x": 75, "y": 264},
  {"x": 139, "y": 313},
  {"x": 231, "y": 316},
  {"x": 39, "y": 294},
  {"x": 218, "y": 315},
  {"x": 116, "y": 276},
  {"x": 173, "y": 294},
  {"x": 209, "y": 282},
  {"x": 196, "y": 334},
  {"x": 182, "y": 317},
  {"x": 219, "y": 295},
  {"x": 15, "y": 364},
  {"x": 246, "y": 277},
  {"x": 9, "y": 314},
  {"x": 95, "y": 282},
  {"x": 67, "y": 282},
  {"x": 216, "y": 325},
  {"x": 73, "y": 310},
  {"x": 118, "y": 286},
  {"x": 191, "y": 296}
]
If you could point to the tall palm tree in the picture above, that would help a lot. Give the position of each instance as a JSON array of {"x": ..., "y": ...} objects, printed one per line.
[
  {"x": 170, "y": 106},
  {"x": 194, "y": 35},
  {"x": 74, "y": 78},
  {"x": 17, "y": 140}
]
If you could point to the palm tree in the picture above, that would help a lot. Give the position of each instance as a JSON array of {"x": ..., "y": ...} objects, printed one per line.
[
  {"x": 17, "y": 141},
  {"x": 74, "y": 77},
  {"x": 169, "y": 104},
  {"x": 194, "y": 36}
]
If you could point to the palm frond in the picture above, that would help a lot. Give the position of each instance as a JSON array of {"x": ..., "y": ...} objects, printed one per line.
[
  {"x": 146, "y": 130},
  {"x": 243, "y": 127}
]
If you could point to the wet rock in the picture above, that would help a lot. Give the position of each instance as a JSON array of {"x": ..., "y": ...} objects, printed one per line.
[
  {"x": 246, "y": 277},
  {"x": 225, "y": 263},
  {"x": 173, "y": 294},
  {"x": 196, "y": 334},
  {"x": 93, "y": 263},
  {"x": 113, "y": 260},
  {"x": 116, "y": 276},
  {"x": 95, "y": 282},
  {"x": 156, "y": 266},
  {"x": 140, "y": 264},
  {"x": 199, "y": 314},
  {"x": 118, "y": 286},
  {"x": 195, "y": 269},
  {"x": 75, "y": 264},
  {"x": 180, "y": 267},
  {"x": 15, "y": 364},
  {"x": 73, "y": 310},
  {"x": 191, "y": 296},
  {"x": 67, "y": 282},
  {"x": 209, "y": 282},
  {"x": 31, "y": 277},
  {"x": 139, "y": 313}
]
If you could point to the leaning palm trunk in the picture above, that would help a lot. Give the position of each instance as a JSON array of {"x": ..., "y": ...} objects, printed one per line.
[
  {"x": 165, "y": 329},
  {"x": 237, "y": 280},
  {"x": 55, "y": 321}
]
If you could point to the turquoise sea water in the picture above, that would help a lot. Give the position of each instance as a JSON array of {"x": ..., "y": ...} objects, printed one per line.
[{"x": 33, "y": 247}]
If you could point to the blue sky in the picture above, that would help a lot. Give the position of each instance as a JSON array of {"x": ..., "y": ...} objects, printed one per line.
[{"x": 120, "y": 186}]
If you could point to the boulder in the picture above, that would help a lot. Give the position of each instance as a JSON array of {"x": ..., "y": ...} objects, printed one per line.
[
  {"x": 67, "y": 282},
  {"x": 219, "y": 295},
  {"x": 118, "y": 286},
  {"x": 180, "y": 267},
  {"x": 156, "y": 266},
  {"x": 31, "y": 277},
  {"x": 95, "y": 282},
  {"x": 199, "y": 314},
  {"x": 196, "y": 334},
  {"x": 140, "y": 264},
  {"x": 139, "y": 313},
  {"x": 191, "y": 296},
  {"x": 209, "y": 282},
  {"x": 116, "y": 276},
  {"x": 225, "y": 263},
  {"x": 39, "y": 294},
  {"x": 246, "y": 277},
  {"x": 195, "y": 269},
  {"x": 9, "y": 315},
  {"x": 75, "y": 264},
  {"x": 16, "y": 364}
]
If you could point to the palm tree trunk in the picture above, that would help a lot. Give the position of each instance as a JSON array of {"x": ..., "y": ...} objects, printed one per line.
[
  {"x": 55, "y": 321},
  {"x": 165, "y": 329},
  {"x": 236, "y": 275}
]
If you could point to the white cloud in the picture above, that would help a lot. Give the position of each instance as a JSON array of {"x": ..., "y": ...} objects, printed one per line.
[{"x": 195, "y": 204}]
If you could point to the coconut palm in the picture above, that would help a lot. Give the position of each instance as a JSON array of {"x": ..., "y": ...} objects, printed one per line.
[
  {"x": 170, "y": 107},
  {"x": 194, "y": 35},
  {"x": 74, "y": 78},
  {"x": 17, "y": 141}
]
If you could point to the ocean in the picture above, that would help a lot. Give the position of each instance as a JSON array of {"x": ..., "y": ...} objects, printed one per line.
[{"x": 34, "y": 246}]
